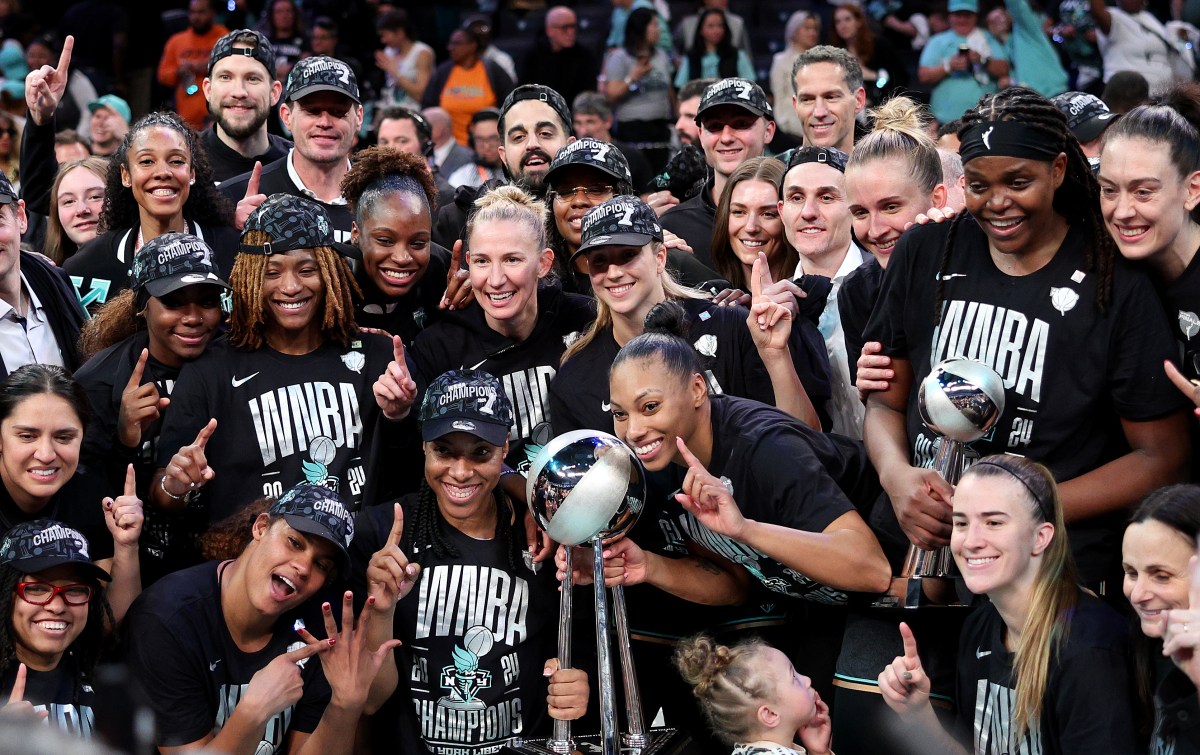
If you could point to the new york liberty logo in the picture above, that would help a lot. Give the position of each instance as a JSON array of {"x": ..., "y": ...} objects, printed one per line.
[{"x": 463, "y": 678}]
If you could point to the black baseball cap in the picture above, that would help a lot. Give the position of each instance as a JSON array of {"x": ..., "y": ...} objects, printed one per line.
[
  {"x": 259, "y": 48},
  {"x": 318, "y": 510},
  {"x": 42, "y": 544},
  {"x": 8, "y": 195},
  {"x": 466, "y": 401},
  {"x": 172, "y": 261},
  {"x": 320, "y": 73},
  {"x": 541, "y": 93},
  {"x": 831, "y": 156},
  {"x": 621, "y": 221},
  {"x": 594, "y": 153},
  {"x": 1087, "y": 115},
  {"x": 743, "y": 93},
  {"x": 292, "y": 222}
]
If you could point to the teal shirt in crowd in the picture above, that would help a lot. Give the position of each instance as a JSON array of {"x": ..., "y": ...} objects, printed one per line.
[
  {"x": 958, "y": 92},
  {"x": 1034, "y": 62},
  {"x": 709, "y": 65}
]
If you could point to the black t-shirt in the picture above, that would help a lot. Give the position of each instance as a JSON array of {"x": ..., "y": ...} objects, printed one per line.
[
  {"x": 1087, "y": 706},
  {"x": 79, "y": 504},
  {"x": 282, "y": 419},
  {"x": 228, "y": 162},
  {"x": 276, "y": 180},
  {"x": 692, "y": 220},
  {"x": 463, "y": 340},
  {"x": 100, "y": 269},
  {"x": 412, "y": 313},
  {"x": 476, "y": 637},
  {"x": 1070, "y": 372},
  {"x": 1182, "y": 299},
  {"x": 855, "y": 301},
  {"x": 179, "y": 649},
  {"x": 1176, "y": 710},
  {"x": 61, "y": 692},
  {"x": 579, "y": 392}
]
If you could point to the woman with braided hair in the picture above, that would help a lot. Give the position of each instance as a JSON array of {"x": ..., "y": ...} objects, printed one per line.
[
  {"x": 158, "y": 180},
  {"x": 462, "y": 540},
  {"x": 753, "y": 697},
  {"x": 283, "y": 396},
  {"x": 1029, "y": 282}
]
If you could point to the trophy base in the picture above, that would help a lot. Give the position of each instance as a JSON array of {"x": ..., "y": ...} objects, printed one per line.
[
  {"x": 918, "y": 592},
  {"x": 662, "y": 742}
]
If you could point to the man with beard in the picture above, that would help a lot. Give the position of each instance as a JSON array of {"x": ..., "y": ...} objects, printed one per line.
[
  {"x": 322, "y": 109},
  {"x": 484, "y": 139},
  {"x": 241, "y": 90},
  {"x": 183, "y": 60},
  {"x": 535, "y": 123}
]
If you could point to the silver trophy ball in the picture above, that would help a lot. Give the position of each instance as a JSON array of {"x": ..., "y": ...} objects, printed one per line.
[
  {"x": 961, "y": 399},
  {"x": 585, "y": 484}
]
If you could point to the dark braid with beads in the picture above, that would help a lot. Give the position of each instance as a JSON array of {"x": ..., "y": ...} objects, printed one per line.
[
  {"x": 1077, "y": 199},
  {"x": 426, "y": 532}
]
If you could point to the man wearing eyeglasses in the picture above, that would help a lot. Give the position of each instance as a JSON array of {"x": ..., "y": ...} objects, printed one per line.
[
  {"x": 735, "y": 125},
  {"x": 558, "y": 60}
]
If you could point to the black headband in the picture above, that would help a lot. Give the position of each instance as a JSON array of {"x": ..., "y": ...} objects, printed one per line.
[
  {"x": 1043, "y": 506},
  {"x": 1007, "y": 139}
]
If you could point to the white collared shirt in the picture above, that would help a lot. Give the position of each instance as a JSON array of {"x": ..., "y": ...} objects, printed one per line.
[
  {"x": 33, "y": 342},
  {"x": 291, "y": 168}
]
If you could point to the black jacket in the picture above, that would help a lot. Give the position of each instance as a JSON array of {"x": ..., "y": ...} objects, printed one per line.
[
  {"x": 693, "y": 221},
  {"x": 59, "y": 303},
  {"x": 228, "y": 163}
]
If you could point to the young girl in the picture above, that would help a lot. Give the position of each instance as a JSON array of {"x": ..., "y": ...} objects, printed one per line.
[
  {"x": 158, "y": 180},
  {"x": 1043, "y": 666},
  {"x": 76, "y": 198},
  {"x": 56, "y": 614},
  {"x": 753, "y": 697},
  {"x": 1159, "y": 542}
]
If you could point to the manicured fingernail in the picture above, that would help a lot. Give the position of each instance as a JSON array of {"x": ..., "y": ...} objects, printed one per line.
[
  {"x": 325, "y": 607},
  {"x": 331, "y": 641},
  {"x": 371, "y": 600}
]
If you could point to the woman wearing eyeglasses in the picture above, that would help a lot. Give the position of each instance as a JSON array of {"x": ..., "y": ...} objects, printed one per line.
[{"x": 56, "y": 612}]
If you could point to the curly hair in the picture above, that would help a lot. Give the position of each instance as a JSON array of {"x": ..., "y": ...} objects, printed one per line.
[
  {"x": 227, "y": 538},
  {"x": 113, "y": 323},
  {"x": 1077, "y": 200},
  {"x": 88, "y": 647},
  {"x": 379, "y": 171},
  {"x": 727, "y": 682},
  {"x": 204, "y": 204},
  {"x": 59, "y": 245},
  {"x": 247, "y": 322}
]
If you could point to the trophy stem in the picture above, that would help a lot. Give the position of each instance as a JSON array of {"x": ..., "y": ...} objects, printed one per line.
[
  {"x": 561, "y": 740},
  {"x": 608, "y": 707},
  {"x": 633, "y": 698}
]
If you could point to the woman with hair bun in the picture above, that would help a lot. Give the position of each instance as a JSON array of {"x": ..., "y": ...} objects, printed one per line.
[
  {"x": 753, "y": 697},
  {"x": 1043, "y": 666}
]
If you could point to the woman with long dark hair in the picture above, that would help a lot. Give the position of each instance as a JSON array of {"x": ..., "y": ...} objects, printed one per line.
[
  {"x": 711, "y": 54},
  {"x": 637, "y": 81}
]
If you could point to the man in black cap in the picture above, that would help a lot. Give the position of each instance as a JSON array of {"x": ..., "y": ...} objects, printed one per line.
[
  {"x": 735, "y": 125},
  {"x": 323, "y": 111},
  {"x": 1087, "y": 117},
  {"x": 240, "y": 90},
  {"x": 535, "y": 123},
  {"x": 40, "y": 315}
]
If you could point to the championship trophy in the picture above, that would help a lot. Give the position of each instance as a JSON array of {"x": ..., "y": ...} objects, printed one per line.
[
  {"x": 586, "y": 486},
  {"x": 960, "y": 400}
]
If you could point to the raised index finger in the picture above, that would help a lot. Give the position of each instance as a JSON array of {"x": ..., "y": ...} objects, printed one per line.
[
  {"x": 205, "y": 433},
  {"x": 455, "y": 259},
  {"x": 398, "y": 350},
  {"x": 910, "y": 645},
  {"x": 130, "y": 481},
  {"x": 18, "y": 690},
  {"x": 397, "y": 532},
  {"x": 689, "y": 457},
  {"x": 64, "y": 59},
  {"x": 763, "y": 277},
  {"x": 135, "y": 379},
  {"x": 255, "y": 177}
]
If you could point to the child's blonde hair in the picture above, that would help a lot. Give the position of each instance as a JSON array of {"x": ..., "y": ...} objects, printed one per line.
[{"x": 728, "y": 683}]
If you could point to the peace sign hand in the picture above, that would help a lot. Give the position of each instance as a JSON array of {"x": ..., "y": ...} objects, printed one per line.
[
  {"x": 17, "y": 707},
  {"x": 706, "y": 498},
  {"x": 188, "y": 469},
  {"x": 124, "y": 515},
  {"x": 390, "y": 575},
  {"x": 44, "y": 87},
  {"x": 904, "y": 685},
  {"x": 769, "y": 321},
  {"x": 395, "y": 390},
  {"x": 141, "y": 406}
]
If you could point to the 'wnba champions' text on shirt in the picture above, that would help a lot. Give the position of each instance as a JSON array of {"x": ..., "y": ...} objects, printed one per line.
[
  {"x": 1006, "y": 340},
  {"x": 289, "y": 418}
]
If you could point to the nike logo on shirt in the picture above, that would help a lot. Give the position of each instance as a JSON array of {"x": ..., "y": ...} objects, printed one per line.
[
  {"x": 213, "y": 666},
  {"x": 981, "y": 653},
  {"x": 239, "y": 382},
  {"x": 948, "y": 276}
]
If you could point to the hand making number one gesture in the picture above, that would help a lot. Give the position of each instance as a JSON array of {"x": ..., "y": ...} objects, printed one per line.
[
  {"x": 123, "y": 515},
  {"x": 707, "y": 498},
  {"x": 188, "y": 469},
  {"x": 390, "y": 575},
  {"x": 44, "y": 88},
  {"x": 904, "y": 685},
  {"x": 141, "y": 406},
  {"x": 769, "y": 321},
  {"x": 395, "y": 390}
]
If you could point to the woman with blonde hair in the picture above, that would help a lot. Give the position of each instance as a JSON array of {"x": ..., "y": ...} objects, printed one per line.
[
  {"x": 1043, "y": 666},
  {"x": 76, "y": 198}
]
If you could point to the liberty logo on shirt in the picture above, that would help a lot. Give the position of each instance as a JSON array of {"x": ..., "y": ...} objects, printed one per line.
[
  {"x": 322, "y": 451},
  {"x": 463, "y": 678}
]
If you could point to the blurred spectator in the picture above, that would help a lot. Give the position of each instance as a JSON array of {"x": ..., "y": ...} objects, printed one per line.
[
  {"x": 952, "y": 179},
  {"x": 962, "y": 63},
  {"x": 448, "y": 154},
  {"x": 1032, "y": 59},
  {"x": 72, "y": 109},
  {"x": 10, "y": 150},
  {"x": 710, "y": 52},
  {"x": 593, "y": 117},
  {"x": 620, "y": 15},
  {"x": 70, "y": 145},
  {"x": 883, "y": 70},
  {"x": 1087, "y": 117},
  {"x": 483, "y": 30},
  {"x": 325, "y": 39},
  {"x": 802, "y": 32},
  {"x": 241, "y": 93},
  {"x": 637, "y": 80},
  {"x": 484, "y": 140},
  {"x": 100, "y": 28},
  {"x": 1125, "y": 91},
  {"x": 1076, "y": 32},
  {"x": 685, "y": 32},
  {"x": 284, "y": 27},
  {"x": 1132, "y": 39},
  {"x": 690, "y": 93},
  {"x": 466, "y": 83},
  {"x": 110, "y": 123},
  {"x": 558, "y": 60},
  {"x": 185, "y": 61},
  {"x": 407, "y": 63},
  {"x": 407, "y": 130}
]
